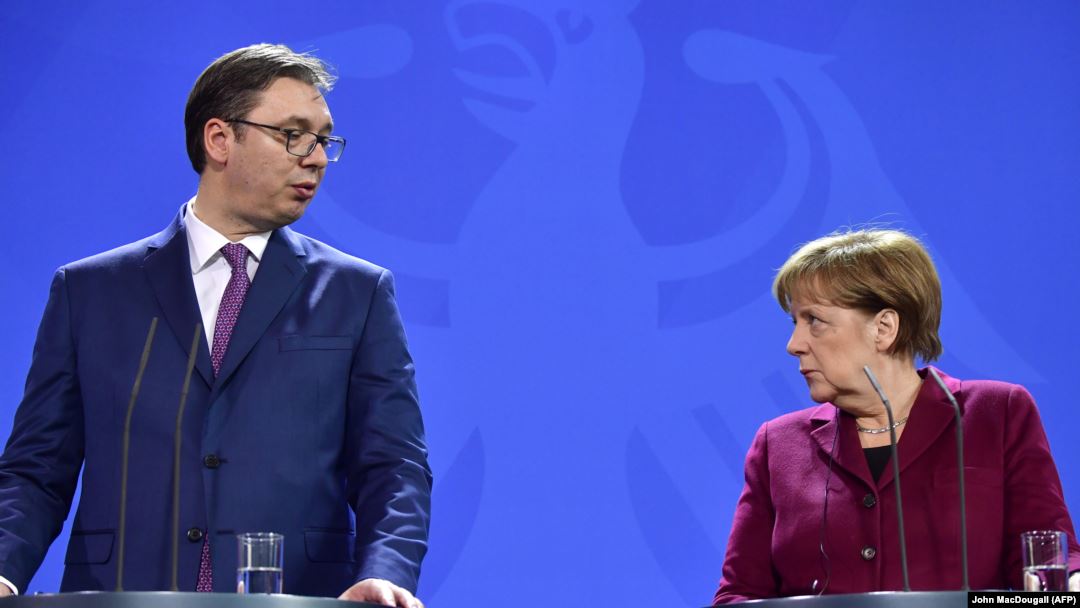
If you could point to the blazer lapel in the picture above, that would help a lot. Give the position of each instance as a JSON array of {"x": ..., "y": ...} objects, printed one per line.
[
  {"x": 168, "y": 269},
  {"x": 847, "y": 454},
  {"x": 279, "y": 274},
  {"x": 929, "y": 417}
]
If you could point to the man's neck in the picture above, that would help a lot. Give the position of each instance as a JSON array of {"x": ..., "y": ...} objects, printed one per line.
[{"x": 210, "y": 211}]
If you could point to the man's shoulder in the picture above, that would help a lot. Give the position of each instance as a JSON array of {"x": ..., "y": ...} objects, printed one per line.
[
  {"x": 130, "y": 256},
  {"x": 125, "y": 256},
  {"x": 327, "y": 258}
]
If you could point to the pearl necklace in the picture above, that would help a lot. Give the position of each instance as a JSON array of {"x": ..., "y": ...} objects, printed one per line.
[{"x": 884, "y": 429}]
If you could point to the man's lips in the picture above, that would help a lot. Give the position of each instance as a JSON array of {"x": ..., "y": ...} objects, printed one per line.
[{"x": 305, "y": 189}]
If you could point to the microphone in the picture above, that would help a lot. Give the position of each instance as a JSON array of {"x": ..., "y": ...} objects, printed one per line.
[
  {"x": 176, "y": 455},
  {"x": 959, "y": 472},
  {"x": 896, "y": 474},
  {"x": 125, "y": 450}
]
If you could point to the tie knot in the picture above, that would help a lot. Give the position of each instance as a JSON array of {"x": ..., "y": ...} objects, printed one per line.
[{"x": 236, "y": 255}]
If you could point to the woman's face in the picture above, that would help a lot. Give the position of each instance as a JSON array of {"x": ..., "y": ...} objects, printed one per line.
[{"x": 832, "y": 344}]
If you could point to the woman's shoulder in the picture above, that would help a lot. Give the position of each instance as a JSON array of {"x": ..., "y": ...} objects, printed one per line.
[
  {"x": 983, "y": 397},
  {"x": 992, "y": 393},
  {"x": 801, "y": 421}
]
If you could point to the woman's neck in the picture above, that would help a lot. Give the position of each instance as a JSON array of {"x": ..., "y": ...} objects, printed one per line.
[{"x": 901, "y": 383}]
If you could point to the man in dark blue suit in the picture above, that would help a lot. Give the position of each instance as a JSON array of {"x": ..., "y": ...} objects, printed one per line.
[{"x": 302, "y": 416}]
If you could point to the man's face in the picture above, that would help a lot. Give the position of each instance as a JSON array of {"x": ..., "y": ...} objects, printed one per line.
[{"x": 267, "y": 187}]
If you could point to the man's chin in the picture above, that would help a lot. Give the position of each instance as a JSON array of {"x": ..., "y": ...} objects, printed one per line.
[{"x": 293, "y": 213}]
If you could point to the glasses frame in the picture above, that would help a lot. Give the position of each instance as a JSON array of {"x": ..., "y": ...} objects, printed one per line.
[{"x": 291, "y": 134}]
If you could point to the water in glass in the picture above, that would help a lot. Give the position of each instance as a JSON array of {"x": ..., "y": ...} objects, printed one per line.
[
  {"x": 260, "y": 580},
  {"x": 1045, "y": 578}
]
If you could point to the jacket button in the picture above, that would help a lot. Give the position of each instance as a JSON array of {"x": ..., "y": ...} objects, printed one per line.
[
  {"x": 211, "y": 461},
  {"x": 868, "y": 501},
  {"x": 196, "y": 534},
  {"x": 868, "y": 553}
]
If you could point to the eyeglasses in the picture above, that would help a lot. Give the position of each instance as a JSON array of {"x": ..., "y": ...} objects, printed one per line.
[{"x": 299, "y": 142}]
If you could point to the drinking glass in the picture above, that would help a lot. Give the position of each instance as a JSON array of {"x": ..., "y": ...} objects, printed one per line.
[
  {"x": 1046, "y": 554},
  {"x": 260, "y": 561}
]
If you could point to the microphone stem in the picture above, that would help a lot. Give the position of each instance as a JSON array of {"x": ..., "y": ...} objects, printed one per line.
[
  {"x": 125, "y": 450},
  {"x": 176, "y": 456},
  {"x": 959, "y": 474},
  {"x": 899, "y": 499},
  {"x": 895, "y": 456}
]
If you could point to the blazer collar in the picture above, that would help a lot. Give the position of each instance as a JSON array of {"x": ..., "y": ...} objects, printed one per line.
[
  {"x": 929, "y": 417},
  {"x": 834, "y": 431},
  {"x": 280, "y": 273},
  {"x": 168, "y": 269}
]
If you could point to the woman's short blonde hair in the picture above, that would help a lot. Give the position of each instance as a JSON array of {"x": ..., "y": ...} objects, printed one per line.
[{"x": 871, "y": 270}]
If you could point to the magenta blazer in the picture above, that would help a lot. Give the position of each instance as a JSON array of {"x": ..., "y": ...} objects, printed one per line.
[{"x": 1011, "y": 481}]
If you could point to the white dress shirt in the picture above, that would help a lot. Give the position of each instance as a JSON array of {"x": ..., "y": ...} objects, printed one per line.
[{"x": 210, "y": 271}]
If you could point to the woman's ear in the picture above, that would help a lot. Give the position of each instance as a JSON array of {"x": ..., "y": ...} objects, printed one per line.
[{"x": 886, "y": 328}]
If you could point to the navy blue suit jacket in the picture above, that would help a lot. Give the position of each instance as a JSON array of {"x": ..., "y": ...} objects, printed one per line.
[{"x": 313, "y": 420}]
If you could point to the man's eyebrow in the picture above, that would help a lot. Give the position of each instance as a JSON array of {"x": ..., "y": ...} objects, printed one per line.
[{"x": 306, "y": 124}]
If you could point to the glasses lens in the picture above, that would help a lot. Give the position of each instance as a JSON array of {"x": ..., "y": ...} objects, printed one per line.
[
  {"x": 333, "y": 149},
  {"x": 301, "y": 143}
]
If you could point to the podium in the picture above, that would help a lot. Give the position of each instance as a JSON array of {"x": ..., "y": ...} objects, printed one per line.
[
  {"x": 878, "y": 599},
  {"x": 167, "y": 599}
]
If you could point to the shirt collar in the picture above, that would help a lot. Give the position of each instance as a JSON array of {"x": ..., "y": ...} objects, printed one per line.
[{"x": 205, "y": 243}]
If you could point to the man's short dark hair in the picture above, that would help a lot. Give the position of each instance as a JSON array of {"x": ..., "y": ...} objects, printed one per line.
[{"x": 229, "y": 88}]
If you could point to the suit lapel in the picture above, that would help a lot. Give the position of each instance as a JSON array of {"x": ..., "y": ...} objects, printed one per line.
[
  {"x": 279, "y": 274},
  {"x": 166, "y": 260}
]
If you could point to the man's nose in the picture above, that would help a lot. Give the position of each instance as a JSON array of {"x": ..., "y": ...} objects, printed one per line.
[{"x": 317, "y": 158}]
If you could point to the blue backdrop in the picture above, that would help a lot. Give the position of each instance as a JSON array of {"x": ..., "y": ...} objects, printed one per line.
[{"x": 584, "y": 202}]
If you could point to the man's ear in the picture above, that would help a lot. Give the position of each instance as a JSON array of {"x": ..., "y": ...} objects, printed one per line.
[
  {"x": 217, "y": 140},
  {"x": 886, "y": 328}
]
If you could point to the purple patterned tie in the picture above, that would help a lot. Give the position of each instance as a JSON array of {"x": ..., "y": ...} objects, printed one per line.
[{"x": 228, "y": 311}]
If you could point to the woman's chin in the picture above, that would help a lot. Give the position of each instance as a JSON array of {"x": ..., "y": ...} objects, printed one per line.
[{"x": 822, "y": 394}]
